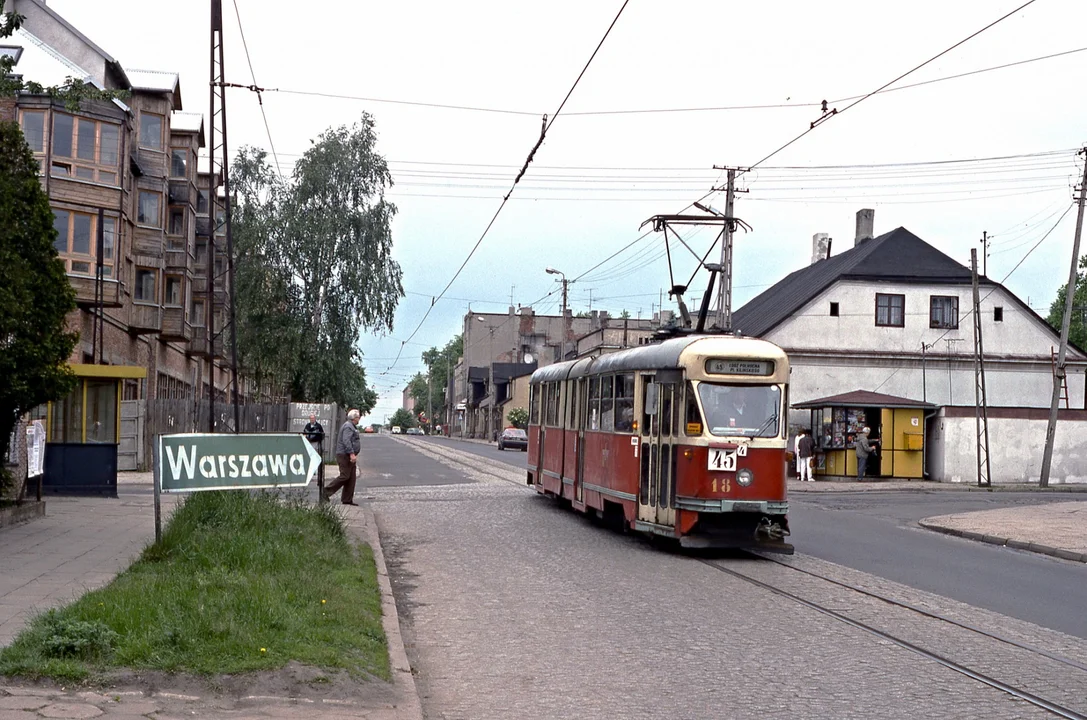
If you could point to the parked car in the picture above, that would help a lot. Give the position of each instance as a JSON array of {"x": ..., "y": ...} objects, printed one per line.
[
  {"x": 368, "y": 429},
  {"x": 513, "y": 438},
  {"x": 396, "y": 429},
  {"x": 414, "y": 431}
]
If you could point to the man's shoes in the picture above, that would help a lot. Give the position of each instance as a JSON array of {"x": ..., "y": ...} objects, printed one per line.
[{"x": 351, "y": 503}]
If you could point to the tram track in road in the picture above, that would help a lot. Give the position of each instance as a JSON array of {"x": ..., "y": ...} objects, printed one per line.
[{"x": 1054, "y": 707}]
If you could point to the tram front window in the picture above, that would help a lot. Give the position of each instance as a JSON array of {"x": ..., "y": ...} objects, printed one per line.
[{"x": 748, "y": 410}]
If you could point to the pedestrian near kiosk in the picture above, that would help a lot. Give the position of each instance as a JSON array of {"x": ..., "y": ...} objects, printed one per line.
[
  {"x": 805, "y": 455},
  {"x": 865, "y": 448},
  {"x": 348, "y": 445}
]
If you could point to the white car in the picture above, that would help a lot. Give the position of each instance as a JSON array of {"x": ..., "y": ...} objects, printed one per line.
[{"x": 396, "y": 429}]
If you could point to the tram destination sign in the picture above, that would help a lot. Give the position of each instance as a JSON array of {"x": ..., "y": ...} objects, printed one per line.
[
  {"x": 193, "y": 462},
  {"x": 727, "y": 366}
]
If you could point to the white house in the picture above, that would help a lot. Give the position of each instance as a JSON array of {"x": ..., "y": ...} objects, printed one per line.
[{"x": 893, "y": 315}]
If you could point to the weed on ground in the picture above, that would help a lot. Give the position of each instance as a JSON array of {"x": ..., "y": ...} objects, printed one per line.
[{"x": 240, "y": 582}]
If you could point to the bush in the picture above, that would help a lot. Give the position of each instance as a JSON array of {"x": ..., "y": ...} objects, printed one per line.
[{"x": 66, "y": 638}]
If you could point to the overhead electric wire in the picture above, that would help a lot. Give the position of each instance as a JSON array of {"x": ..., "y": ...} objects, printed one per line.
[
  {"x": 543, "y": 133},
  {"x": 256, "y": 88},
  {"x": 650, "y": 111},
  {"x": 883, "y": 87}
]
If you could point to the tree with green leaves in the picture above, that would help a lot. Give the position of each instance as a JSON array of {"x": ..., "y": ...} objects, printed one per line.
[
  {"x": 402, "y": 419},
  {"x": 441, "y": 363},
  {"x": 35, "y": 295},
  {"x": 314, "y": 266},
  {"x": 518, "y": 417},
  {"x": 72, "y": 92},
  {"x": 1077, "y": 331}
]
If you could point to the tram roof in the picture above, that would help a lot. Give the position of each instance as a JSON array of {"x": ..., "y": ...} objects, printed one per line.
[{"x": 660, "y": 356}]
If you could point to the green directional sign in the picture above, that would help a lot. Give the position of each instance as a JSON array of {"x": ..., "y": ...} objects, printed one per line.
[{"x": 190, "y": 462}]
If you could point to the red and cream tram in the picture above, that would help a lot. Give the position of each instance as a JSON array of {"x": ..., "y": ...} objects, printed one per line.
[{"x": 685, "y": 439}]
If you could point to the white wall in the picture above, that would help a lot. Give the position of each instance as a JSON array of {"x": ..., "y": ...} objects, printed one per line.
[{"x": 1015, "y": 450}]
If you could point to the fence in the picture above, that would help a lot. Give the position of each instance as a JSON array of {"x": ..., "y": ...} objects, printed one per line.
[{"x": 188, "y": 416}]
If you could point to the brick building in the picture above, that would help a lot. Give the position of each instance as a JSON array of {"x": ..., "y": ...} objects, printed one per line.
[{"x": 132, "y": 215}]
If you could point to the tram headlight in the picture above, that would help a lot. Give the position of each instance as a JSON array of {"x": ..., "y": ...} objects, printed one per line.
[{"x": 745, "y": 477}]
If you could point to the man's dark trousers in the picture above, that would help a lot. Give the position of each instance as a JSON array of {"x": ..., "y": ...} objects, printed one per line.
[
  {"x": 862, "y": 466},
  {"x": 345, "y": 480}
]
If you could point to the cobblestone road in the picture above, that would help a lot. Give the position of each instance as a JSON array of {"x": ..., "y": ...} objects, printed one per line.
[{"x": 515, "y": 608}]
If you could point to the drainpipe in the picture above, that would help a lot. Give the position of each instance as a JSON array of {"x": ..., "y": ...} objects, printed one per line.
[{"x": 924, "y": 443}]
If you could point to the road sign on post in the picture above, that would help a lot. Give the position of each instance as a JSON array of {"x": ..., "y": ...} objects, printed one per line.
[{"x": 194, "y": 462}]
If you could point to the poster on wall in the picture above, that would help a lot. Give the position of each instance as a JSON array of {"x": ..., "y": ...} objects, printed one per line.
[{"x": 35, "y": 449}]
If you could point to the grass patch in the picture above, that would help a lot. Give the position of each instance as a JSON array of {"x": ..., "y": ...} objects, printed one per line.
[{"x": 240, "y": 582}]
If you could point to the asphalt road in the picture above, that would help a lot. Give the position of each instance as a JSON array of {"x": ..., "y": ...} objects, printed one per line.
[{"x": 877, "y": 532}]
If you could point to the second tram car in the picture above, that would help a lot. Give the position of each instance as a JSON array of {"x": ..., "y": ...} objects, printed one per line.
[{"x": 684, "y": 439}]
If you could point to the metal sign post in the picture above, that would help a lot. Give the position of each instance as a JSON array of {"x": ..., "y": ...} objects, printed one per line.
[{"x": 194, "y": 462}]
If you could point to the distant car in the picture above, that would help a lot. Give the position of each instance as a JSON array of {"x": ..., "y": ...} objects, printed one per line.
[
  {"x": 414, "y": 431},
  {"x": 396, "y": 429},
  {"x": 513, "y": 438},
  {"x": 368, "y": 429}
]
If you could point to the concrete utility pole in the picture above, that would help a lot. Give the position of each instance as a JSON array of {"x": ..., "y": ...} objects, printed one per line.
[
  {"x": 724, "y": 292},
  {"x": 429, "y": 400},
  {"x": 985, "y": 253},
  {"x": 565, "y": 290},
  {"x": 1066, "y": 321}
]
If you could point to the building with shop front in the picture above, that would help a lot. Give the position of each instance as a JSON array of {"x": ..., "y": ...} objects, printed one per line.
[
  {"x": 893, "y": 315},
  {"x": 131, "y": 214}
]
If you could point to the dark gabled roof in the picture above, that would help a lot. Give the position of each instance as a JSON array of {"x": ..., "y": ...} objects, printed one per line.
[
  {"x": 895, "y": 256},
  {"x": 862, "y": 399}
]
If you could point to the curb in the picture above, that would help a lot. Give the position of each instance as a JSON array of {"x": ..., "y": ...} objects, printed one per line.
[
  {"x": 390, "y": 620},
  {"x": 1007, "y": 542},
  {"x": 21, "y": 513}
]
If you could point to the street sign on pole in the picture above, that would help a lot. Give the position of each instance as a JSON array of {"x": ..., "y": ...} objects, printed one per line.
[{"x": 195, "y": 462}]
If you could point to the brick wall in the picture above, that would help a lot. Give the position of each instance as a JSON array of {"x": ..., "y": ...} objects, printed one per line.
[
  {"x": 15, "y": 461},
  {"x": 7, "y": 109}
]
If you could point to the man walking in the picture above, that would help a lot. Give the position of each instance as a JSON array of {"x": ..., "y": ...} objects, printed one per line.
[
  {"x": 805, "y": 450},
  {"x": 864, "y": 451},
  {"x": 348, "y": 446}
]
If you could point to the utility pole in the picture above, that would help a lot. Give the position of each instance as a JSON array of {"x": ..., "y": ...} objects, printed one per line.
[
  {"x": 429, "y": 400},
  {"x": 724, "y": 292},
  {"x": 985, "y": 253},
  {"x": 981, "y": 404},
  {"x": 1066, "y": 321}
]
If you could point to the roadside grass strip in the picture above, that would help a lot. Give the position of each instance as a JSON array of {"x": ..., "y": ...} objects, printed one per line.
[{"x": 240, "y": 582}]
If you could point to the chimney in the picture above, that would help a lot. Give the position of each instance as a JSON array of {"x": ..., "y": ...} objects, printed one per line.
[
  {"x": 866, "y": 221},
  {"x": 820, "y": 247}
]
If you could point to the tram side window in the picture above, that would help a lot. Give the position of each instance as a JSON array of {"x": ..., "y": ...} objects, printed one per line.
[
  {"x": 694, "y": 417},
  {"x": 534, "y": 405},
  {"x": 552, "y": 404},
  {"x": 572, "y": 401},
  {"x": 607, "y": 403},
  {"x": 594, "y": 404},
  {"x": 624, "y": 403}
]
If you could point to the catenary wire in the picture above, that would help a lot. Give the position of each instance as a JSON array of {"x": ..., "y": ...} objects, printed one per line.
[
  {"x": 543, "y": 133},
  {"x": 253, "y": 75}
]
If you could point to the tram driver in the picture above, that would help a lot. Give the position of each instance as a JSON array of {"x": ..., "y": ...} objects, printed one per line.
[{"x": 740, "y": 410}]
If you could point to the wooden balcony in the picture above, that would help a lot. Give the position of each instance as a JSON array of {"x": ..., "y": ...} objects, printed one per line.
[
  {"x": 175, "y": 327},
  {"x": 148, "y": 242},
  {"x": 145, "y": 319},
  {"x": 181, "y": 192},
  {"x": 203, "y": 226},
  {"x": 198, "y": 345},
  {"x": 84, "y": 291},
  {"x": 178, "y": 261}
]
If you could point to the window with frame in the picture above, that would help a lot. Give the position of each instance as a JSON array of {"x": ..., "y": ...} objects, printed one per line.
[
  {"x": 148, "y": 211},
  {"x": 553, "y": 403},
  {"x": 202, "y": 202},
  {"x": 197, "y": 318},
  {"x": 77, "y": 242},
  {"x": 943, "y": 312},
  {"x": 594, "y": 403},
  {"x": 33, "y": 125},
  {"x": 173, "y": 291},
  {"x": 998, "y": 314},
  {"x": 146, "y": 281},
  {"x": 176, "y": 224},
  {"x": 890, "y": 310},
  {"x": 151, "y": 130},
  {"x": 607, "y": 403},
  {"x": 624, "y": 403},
  {"x": 693, "y": 414},
  {"x": 179, "y": 163},
  {"x": 86, "y": 149},
  {"x": 533, "y": 403}
]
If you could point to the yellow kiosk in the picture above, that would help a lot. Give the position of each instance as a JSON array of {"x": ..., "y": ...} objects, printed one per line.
[{"x": 898, "y": 423}]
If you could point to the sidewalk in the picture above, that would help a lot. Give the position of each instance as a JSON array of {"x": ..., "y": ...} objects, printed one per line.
[
  {"x": 83, "y": 543},
  {"x": 1057, "y": 529}
]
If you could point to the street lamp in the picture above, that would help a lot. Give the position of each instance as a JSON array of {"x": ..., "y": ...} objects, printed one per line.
[{"x": 565, "y": 285}]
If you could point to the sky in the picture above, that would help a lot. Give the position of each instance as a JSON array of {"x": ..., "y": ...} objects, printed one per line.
[{"x": 990, "y": 152}]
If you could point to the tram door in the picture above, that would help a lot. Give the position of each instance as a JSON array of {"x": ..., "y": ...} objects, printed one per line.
[
  {"x": 656, "y": 494},
  {"x": 579, "y": 439}
]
